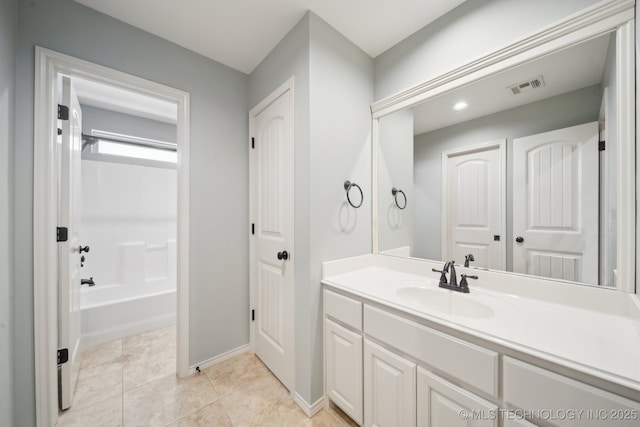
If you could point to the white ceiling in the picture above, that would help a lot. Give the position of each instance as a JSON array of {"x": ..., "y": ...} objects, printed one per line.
[
  {"x": 570, "y": 69},
  {"x": 240, "y": 33}
]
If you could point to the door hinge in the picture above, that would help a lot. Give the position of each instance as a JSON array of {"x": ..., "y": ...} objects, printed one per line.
[
  {"x": 63, "y": 356},
  {"x": 253, "y": 315},
  {"x": 253, "y": 142},
  {"x": 62, "y": 234},
  {"x": 253, "y": 229},
  {"x": 602, "y": 145},
  {"x": 63, "y": 112}
]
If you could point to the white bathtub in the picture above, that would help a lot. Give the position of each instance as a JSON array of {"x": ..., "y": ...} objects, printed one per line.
[
  {"x": 105, "y": 318},
  {"x": 144, "y": 298}
]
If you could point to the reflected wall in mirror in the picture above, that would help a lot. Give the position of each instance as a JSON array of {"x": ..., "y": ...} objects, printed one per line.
[{"x": 510, "y": 169}]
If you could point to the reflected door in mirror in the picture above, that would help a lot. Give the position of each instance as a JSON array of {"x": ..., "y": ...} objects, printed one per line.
[
  {"x": 555, "y": 204},
  {"x": 473, "y": 199}
]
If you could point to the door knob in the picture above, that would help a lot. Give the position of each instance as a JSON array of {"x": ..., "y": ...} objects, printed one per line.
[
  {"x": 284, "y": 255},
  {"x": 84, "y": 248},
  {"x": 519, "y": 239}
]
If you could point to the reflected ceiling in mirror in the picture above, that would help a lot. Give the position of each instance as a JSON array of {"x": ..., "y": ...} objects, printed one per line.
[{"x": 517, "y": 178}]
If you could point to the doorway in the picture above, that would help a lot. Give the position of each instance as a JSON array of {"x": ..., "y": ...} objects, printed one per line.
[{"x": 50, "y": 66}]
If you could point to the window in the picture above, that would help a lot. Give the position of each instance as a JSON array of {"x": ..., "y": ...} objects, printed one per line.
[{"x": 114, "y": 144}]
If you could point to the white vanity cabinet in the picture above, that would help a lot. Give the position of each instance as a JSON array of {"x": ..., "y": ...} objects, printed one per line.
[
  {"x": 564, "y": 401},
  {"x": 343, "y": 353},
  {"x": 386, "y": 368},
  {"x": 389, "y": 388},
  {"x": 441, "y": 403}
]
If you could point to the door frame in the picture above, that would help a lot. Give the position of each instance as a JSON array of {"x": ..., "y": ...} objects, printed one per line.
[
  {"x": 48, "y": 66},
  {"x": 501, "y": 146},
  {"x": 286, "y": 86}
]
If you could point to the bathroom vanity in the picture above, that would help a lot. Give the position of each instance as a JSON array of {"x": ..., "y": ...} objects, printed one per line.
[
  {"x": 549, "y": 333},
  {"x": 400, "y": 351}
]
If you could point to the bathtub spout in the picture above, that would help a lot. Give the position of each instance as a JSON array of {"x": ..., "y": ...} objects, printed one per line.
[{"x": 88, "y": 281}]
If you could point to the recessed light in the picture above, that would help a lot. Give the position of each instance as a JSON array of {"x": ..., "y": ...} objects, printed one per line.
[{"x": 460, "y": 106}]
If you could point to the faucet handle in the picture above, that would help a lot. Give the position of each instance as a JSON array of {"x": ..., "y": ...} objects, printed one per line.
[
  {"x": 443, "y": 274},
  {"x": 463, "y": 282}
]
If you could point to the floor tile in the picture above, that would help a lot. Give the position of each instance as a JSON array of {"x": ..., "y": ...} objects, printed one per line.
[
  {"x": 144, "y": 368},
  {"x": 150, "y": 342},
  {"x": 236, "y": 373},
  {"x": 103, "y": 353},
  {"x": 284, "y": 412},
  {"x": 166, "y": 400},
  {"x": 251, "y": 404},
  {"x": 211, "y": 415},
  {"x": 106, "y": 413},
  {"x": 97, "y": 383}
]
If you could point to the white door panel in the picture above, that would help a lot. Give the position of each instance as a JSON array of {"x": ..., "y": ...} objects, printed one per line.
[
  {"x": 473, "y": 198},
  {"x": 69, "y": 256},
  {"x": 272, "y": 201},
  {"x": 555, "y": 204},
  {"x": 389, "y": 388}
]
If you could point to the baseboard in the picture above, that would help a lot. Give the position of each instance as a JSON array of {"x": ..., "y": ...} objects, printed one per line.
[
  {"x": 310, "y": 410},
  {"x": 219, "y": 358}
]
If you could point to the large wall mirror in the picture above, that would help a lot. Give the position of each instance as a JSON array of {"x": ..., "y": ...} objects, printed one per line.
[{"x": 525, "y": 164}]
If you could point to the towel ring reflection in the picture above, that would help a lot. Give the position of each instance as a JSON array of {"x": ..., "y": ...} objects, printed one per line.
[
  {"x": 394, "y": 192},
  {"x": 348, "y": 185}
]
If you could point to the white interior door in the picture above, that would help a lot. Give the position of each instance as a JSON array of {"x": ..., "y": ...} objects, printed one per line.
[
  {"x": 474, "y": 204},
  {"x": 555, "y": 204},
  {"x": 272, "y": 218},
  {"x": 69, "y": 252}
]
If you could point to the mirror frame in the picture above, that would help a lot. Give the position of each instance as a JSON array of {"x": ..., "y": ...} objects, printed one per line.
[{"x": 603, "y": 17}]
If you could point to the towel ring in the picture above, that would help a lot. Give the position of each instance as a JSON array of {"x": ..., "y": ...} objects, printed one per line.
[
  {"x": 395, "y": 192},
  {"x": 348, "y": 185}
]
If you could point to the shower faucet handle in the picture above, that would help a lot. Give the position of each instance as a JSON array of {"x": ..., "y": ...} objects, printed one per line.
[{"x": 84, "y": 248}]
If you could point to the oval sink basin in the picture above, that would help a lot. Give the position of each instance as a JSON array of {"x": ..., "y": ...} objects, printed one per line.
[{"x": 445, "y": 302}]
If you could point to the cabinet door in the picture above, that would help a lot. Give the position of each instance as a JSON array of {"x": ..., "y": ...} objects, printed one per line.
[
  {"x": 511, "y": 420},
  {"x": 343, "y": 355},
  {"x": 442, "y": 404},
  {"x": 389, "y": 388}
]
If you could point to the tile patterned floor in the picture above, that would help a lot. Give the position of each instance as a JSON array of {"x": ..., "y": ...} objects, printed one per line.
[{"x": 132, "y": 382}]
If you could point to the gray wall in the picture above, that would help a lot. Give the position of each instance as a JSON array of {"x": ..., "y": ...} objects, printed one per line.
[
  {"x": 218, "y": 241},
  {"x": 341, "y": 92},
  {"x": 473, "y": 29},
  {"x": 581, "y": 106},
  {"x": 8, "y": 19},
  {"x": 395, "y": 169},
  {"x": 126, "y": 124},
  {"x": 333, "y": 90}
]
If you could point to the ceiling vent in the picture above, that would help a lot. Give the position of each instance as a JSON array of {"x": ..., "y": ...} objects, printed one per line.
[{"x": 526, "y": 86}]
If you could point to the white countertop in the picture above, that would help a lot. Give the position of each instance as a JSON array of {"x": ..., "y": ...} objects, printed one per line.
[{"x": 600, "y": 343}]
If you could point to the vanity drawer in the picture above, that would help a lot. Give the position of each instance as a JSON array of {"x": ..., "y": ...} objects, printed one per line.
[
  {"x": 468, "y": 362},
  {"x": 343, "y": 309},
  {"x": 535, "y": 389}
]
